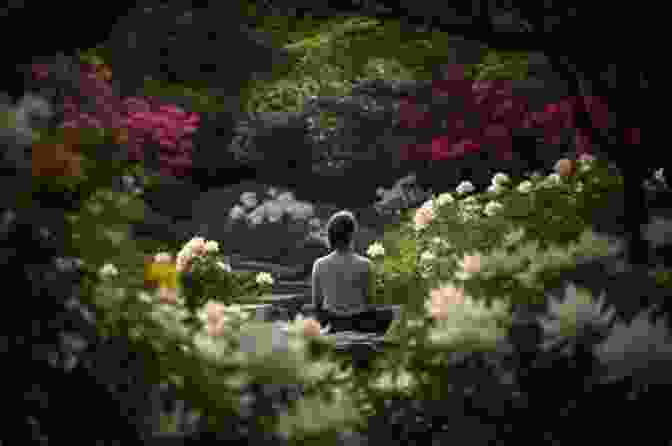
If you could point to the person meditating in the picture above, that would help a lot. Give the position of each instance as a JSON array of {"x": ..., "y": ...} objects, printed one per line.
[{"x": 343, "y": 281}]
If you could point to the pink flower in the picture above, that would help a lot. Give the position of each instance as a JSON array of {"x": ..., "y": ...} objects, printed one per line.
[
  {"x": 167, "y": 296},
  {"x": 582, "y": 141},
  {"x": 423, "y": 217},
  {"x": 214, "y": 311},
  {"x": 586, "y": 157},
  {"x": 217, "y": 328},
  {"x": 311, "y": 328},
  {"x": 442, "y": 299},
  {"x": 196, "y": 246},
  {"x": 470, "y": 264}
]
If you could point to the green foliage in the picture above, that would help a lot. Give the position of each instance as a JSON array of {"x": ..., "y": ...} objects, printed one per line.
[
  {"x": 502, "y": 65},
  {"x": 328, "y": 55},
  {"x": 199, "y": 98}
]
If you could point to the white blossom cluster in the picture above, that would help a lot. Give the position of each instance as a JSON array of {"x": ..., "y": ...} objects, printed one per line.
[{"x": 271, "y": 210}]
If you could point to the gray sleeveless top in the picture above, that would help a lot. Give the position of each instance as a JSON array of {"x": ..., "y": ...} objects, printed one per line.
[{"x": 344, "y": 282}]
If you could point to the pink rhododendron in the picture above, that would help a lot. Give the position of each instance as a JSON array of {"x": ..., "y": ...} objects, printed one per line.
[
  {"x": 137, "y": 117},
  {"x": 470, "y": 264},
  {"x": 311, "y": 327},
  {"x": 214, "y": 311},
  {"x": 586, "y": 157},
  {"x": 423, "y": 217},
  {"x": 442, "y": 299},
  {"x": 217, "y": 328},
  {"x": 167, "y": 295}
]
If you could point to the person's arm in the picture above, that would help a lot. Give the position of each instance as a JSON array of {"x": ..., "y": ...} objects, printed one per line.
[{"x": 318, "y": 298}]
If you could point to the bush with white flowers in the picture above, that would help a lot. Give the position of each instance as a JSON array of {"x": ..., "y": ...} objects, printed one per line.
[
  {"x": 255, "y": 211},
  {"x": 376, "y": 250},
  {"x": 205, "y": 274},
  {"x": 465, "y": 187},
  {"x": 108, "y": 271}
]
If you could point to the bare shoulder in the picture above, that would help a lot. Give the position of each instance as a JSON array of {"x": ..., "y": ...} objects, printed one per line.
[
  {"x": 319, "y": 261},
  {"x": 364, "y": 260}
]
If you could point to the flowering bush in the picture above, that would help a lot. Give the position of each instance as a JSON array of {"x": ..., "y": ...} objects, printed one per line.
[
  {"x": 466, "y": 324},
  {"x": 132, "y": 122},
  {"x": 273, "y": 210},
  {"x": 469, "y": 266},
  {"x": 206, "y": 275},
  {"x": 472, "y": 238}
]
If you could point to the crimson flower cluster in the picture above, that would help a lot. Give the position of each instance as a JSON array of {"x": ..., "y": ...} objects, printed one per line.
[
  {"x": 461, "y": 128},
  {"x": 136, "y": 122}
]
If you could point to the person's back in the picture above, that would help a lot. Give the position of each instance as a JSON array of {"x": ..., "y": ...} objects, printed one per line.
[{"x": 344, "y": 281}]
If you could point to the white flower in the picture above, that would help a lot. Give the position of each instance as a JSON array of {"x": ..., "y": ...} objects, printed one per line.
[
  {"x": 444, "y": 198},
  {"x": 492, "y": 207},
  {"x": 465, "y": 187},
  {"x": 300, "y": 210},
  {"x": 471, "y": 200},
  {"x": 500, "y": 179},
  {"x": 285, "y": 196},
  {"x": 496, "y": 189},
  {"x": 427, "y": 256},
  {"x": 211, "y": 246},
  {"x": 525, "y": 187},
  {"x": 659, "y": 175},
  {"x": 108, "y": 270},
  {"x": 375, "y": 250},
  {"x": 225, "y": 266},
  {"x": 145, "y": 297},
  {"x": 468, "y": 215},
  {"x": 249, "y": 199},
  {"x": 579, "y": 187},
  {"x": 257, "y": 215},
  {"x": 438, "y": 241},
  {"x": 256, "y": 219},
  {"x": 272, "y": 192},
  {"x": 264, "y": 278},
  {"x": 237, "y": 212},
  {"x": 274, "y": 210}
]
